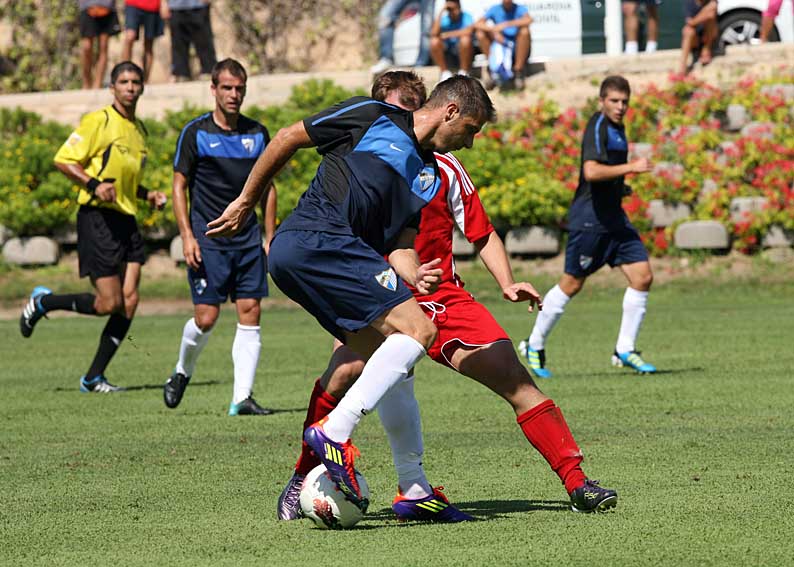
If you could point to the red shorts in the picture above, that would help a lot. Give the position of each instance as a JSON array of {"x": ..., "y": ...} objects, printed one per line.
[{"x": 461, "y": 321}]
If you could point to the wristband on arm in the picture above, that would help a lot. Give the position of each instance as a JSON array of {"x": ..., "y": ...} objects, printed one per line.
[
  {"x": 92, "y": 184},
  {"x": 142, "y": 193}
]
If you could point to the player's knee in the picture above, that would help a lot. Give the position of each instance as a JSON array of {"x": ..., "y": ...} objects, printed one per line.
[
  {"x": 107, "y": 304},
  {"x": 436, "y": 43},
  {"x": 644, "y": 282},
  {"x": 425, "y": 334},
  {"x": 131, "y": 300},
  {"x": 205, "y": 321}
]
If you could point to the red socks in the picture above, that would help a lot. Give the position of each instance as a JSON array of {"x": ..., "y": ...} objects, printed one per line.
[
  {"x": 545, "y": 428},
  {"x": 320, "y": 404}
]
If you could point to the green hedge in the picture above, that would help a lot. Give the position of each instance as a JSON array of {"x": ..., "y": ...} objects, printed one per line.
[{"x": 526, "y": 166}]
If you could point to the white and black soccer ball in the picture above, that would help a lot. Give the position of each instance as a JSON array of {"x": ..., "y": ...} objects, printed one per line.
[{"x": 325, "y": 505}]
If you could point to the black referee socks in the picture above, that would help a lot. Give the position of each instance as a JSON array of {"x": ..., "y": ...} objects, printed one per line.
[{"x": 77, "y": 302}]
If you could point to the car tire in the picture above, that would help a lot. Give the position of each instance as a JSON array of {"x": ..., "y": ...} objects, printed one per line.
[{"x": 741, "y": 26}]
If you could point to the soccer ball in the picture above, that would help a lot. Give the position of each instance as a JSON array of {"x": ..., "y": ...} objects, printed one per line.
[{"x": 325, "y": 505}]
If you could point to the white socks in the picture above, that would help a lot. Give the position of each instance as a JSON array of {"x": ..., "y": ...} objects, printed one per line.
[
  {"x": 399, "y": 414},
  {"x": 193, "y": 341},
  {"x": 553, "y": 306},
  {"x": 245, "y": 353},
  {"x": 387, "y": 366},
  {"x": 651, "y": 47},
  {"x": 632, "y": 48},
  {"x": 634, "y": 304}
]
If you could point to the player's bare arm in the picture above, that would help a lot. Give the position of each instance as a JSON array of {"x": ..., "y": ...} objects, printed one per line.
[
  {"x": 492, "y": 251},
  {"x": 269, "y": 209},
  {"x": 518, "y": 23},
  {"x": 105, "y": 191},
  {"x": 190, "y": 246},
  {"x": 405, "y": 261},
  {"x": 595, "y": 171},
  {"x": 277, "y": 153}
]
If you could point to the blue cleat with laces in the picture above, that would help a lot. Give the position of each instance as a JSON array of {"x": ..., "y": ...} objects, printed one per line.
[
  {"x": 536, "y": 359},
  {"x": 633, "y": 360}
]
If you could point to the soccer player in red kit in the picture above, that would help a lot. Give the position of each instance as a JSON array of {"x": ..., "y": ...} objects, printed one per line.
[{"x": 469, "y": 341}]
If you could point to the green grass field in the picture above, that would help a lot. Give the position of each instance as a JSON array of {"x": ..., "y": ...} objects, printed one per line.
[{"x": 701, "y": 453}]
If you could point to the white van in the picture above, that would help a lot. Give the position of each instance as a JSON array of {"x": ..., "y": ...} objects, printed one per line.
[{"x": 570, "y": 28}]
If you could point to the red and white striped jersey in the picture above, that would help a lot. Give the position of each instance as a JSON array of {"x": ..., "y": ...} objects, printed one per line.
[{"x": 456, "y": 204}]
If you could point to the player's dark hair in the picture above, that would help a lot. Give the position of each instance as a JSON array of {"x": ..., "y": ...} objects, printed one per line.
[
  {"x": 123, "y": 67},
  {"x": 614, "y": 83},
  {"x": 468, "y": 93},
  {"x": 409, "y": 85},
  {"x": 232, "y": 66},
  {"x": 454, "y": 2}
]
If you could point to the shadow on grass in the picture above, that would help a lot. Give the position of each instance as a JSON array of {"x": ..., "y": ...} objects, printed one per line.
[
  {"x": 632, "y": 374},
  {"x": 146, "y": 386},
  {"x": 487, "y": 509}
]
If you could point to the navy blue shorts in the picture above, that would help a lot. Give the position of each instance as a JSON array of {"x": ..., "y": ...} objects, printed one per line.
[
  {"x": 135, "y": 18},
  {"x": 241, "y": 274},
  {"x": 588, "y": 251},
  {"x": 339, "y": 279}
]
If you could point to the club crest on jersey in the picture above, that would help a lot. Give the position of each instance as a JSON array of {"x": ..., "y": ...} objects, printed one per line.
[
  {"x": 200, "y": 284},
  {"x": 248, "y": 144},
  {"x": 387, "y": 279},
  {"x": 585, "y": 261},
  {"x": 427, "y": 179}
]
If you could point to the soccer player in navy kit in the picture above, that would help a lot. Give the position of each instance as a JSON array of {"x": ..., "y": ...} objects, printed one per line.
[
  {"x": 214, "y": 155},
  {"x": 377, "y": 173},
  {"x": 600, "y": 233}
]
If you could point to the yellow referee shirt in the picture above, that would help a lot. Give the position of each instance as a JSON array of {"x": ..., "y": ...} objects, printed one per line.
[{"x": 108, "y": 146}]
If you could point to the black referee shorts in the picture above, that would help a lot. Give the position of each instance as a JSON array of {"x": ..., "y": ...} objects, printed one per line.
[
  {"x": 94, "y": 27},
  {"x": 106, "y": 240}
]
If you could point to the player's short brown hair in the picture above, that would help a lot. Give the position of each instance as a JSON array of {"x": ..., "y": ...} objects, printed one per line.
[
  {"x": 468, "y": 93},
  {"x": 123, "y": 67},
  {"x": 614, "y": 83},
  {"x": 409, "y": 85},
  {"x": 232, "y": 66}
]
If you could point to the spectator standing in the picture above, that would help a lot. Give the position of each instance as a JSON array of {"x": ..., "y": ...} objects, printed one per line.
[
  {"x": 189, "y": 23},
  {"x": 451, "y": 40},
  {"x": 768, "y": 18},
  {"x": 699, "y": 32},
  {"x": 105, "y": 156},
  {"x": 503, "y": 35},
  {"x": 387, "y": 19},
  {"x": 149, "y": 15},
  {"x": 98, "y": 21},
  {"x": 631, "y": 24}
]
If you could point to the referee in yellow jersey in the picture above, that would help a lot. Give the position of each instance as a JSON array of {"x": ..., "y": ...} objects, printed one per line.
[{"x": 105, "y": 155}]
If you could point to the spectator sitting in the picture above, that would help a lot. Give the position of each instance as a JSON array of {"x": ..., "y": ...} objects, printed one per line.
[
  {"x": 503, "y": 35},
  {"x": 148, "y": 14},
  {"x": 631, "y": 25},
  {"x": 768, "y": 18},
  {"x": 190, "y": 23},
  {"x": 700, "y": 31},
  {"x": 451, "y": 40},
  {"x": 98, "y": 21}
]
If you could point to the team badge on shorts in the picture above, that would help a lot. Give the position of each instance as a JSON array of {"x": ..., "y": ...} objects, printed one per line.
[
  {"x": 200, "y": 284},
  {"x": 585, "y": 261},
  {"x": 387, "y": 279}
]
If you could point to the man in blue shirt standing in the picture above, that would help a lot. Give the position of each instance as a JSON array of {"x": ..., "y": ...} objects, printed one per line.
[
  {"x": 600, "y": 233},
  {"x": 451, "y": 40},
  {"x": 214, "y": 155},
  {"x": 503, "y": 35},
  {"x": 378, "y": 172}
]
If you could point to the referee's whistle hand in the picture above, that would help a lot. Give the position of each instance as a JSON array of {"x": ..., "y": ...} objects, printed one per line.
[{"x": 106, "y": 191}]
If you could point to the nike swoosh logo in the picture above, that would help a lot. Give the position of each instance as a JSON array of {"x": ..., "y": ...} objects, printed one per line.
[
  {"x": 215, "y": 145},
  {"x": 392, "y": 146}
]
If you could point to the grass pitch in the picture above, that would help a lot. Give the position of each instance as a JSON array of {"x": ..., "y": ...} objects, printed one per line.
[{"x": 701, "y": 453}]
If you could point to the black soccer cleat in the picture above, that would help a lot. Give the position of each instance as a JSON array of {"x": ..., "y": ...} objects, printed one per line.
[
  {"x": 174, "y": 389},
  {"x": 33, "y": 311},
  {"x": 593, "y": 498},
  {"x": 248, "y": 407}
]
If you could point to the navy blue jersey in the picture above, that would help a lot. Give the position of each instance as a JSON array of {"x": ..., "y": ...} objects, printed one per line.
[
  {"x": 216, "y": 163},
  {"x": 596, "y": 206},
  {"x": 374, "y": 178}
]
